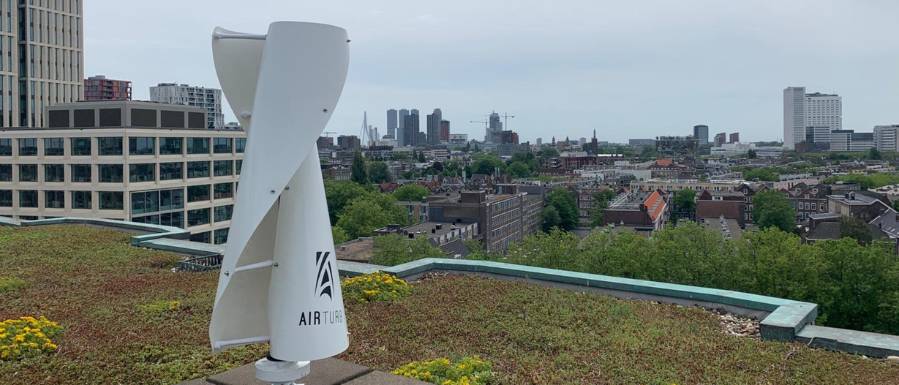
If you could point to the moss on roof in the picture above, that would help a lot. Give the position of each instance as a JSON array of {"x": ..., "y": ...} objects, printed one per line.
[{"x": 128, "y": 318}]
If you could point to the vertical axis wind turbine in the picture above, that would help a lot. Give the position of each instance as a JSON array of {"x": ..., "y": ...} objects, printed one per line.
[{"x": 279, "y": 280}]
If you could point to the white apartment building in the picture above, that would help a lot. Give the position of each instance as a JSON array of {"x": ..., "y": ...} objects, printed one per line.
[
  {"x": 802, "y": 110},
  {"x": 885, "y": 137},
  {"x": 209, "y": 99},
  {"x": 134, "y": 161},
  {"x": 49, "y": 34}
]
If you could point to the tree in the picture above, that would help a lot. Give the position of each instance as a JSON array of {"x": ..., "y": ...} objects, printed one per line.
[
  {"x": 339, "y": 235},
  {"x": 684, "y": 204},
  {"x": 378, "y": 172},
  {"x": 766, "y": 174},
  {"x": 601, "y": 201},
  {"x": 339, "y": 194},
  {"x": 874, "y": 154},
  {"x": 486, "y": 164},
  {"x": 411, "y": 193},
  {"x": 856, "y": 229},
  {"x": 518, "y": 170},
  {"x": 563, "y": 201},
  {"x": 551, "y": 218},
  {"x": 772, "y": 209},
  {"x": 393, "y": 249},
  {"x": 358, "y": 171},
  {"x": 452, "y": 168},
  {"x": 369, "y": 212},
  {"x": 751, "y": 154}
]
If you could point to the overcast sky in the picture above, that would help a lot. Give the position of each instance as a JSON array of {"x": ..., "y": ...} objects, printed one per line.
[{"x": 629, "y": 69}]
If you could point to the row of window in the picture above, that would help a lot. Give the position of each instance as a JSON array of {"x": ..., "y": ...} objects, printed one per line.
[
  {"x": 218, "y": 237},
  {"x": 115, "y": 146},
  {"x": 113, "y": 173},
  {"x": 108, "y": 200},
  {"x": 142, "y": 203}
]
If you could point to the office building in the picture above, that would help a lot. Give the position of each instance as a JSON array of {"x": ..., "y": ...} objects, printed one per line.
[
  {"x": 502, "y": 218},
  {"x": 41, "y": 59},
  {"x": 444, "y": 131},
  {"x": 98, "y": 88},
  {"x": 701, "y": 133},
  {"x": 720, "y": 138},
  {"x": 411, "y": 130},
  {"x": 802, "y": 110},
  {"x": 734, "y": 137},
  {"x": 885, "y": 137},
  {"x": 678, "y": 148},
  {"x": 349, "y": 143},
  {"x": 433, "y": 126},
  {"x": 391, "y": 123},
  {"x": 133, "y": 161},
  {"x": 209, "y": 99},
  {"x": 494, "y": 129}
]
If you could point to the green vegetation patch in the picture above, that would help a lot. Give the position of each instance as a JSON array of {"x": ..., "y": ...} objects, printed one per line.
[
  {"x": 8, "y": 284},
  {"x": 532, "y": 334}
]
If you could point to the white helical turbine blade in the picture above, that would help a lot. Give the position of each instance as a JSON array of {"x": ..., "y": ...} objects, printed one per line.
[{"x": 279, "y": 280}]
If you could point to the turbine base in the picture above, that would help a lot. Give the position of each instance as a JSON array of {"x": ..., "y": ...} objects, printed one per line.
[{"x": 281, "y": 372}]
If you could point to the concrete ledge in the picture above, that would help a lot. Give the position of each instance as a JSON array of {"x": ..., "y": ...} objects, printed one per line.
[
  {"x": 784, "y": 320},
  {"x": 852, "y": 341}
]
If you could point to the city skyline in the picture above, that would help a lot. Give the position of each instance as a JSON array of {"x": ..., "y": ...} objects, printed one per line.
[{"x": 628, "y": 71}]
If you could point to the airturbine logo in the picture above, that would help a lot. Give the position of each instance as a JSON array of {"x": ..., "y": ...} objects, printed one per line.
[{"x": 324, "y": 282}]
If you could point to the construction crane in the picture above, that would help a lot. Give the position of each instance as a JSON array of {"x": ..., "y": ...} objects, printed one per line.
[{"x": 506, "y": 117}]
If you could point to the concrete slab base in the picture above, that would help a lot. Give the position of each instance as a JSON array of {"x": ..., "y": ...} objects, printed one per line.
[{"x": 329, "y": 371}]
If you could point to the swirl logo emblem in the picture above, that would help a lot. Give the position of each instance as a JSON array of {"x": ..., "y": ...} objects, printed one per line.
[{"x": 279, "y": 279}]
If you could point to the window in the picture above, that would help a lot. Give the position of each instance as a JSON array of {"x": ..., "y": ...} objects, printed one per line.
[
  {"x": 5, "y": 147},
  {"x": 197, "y": 169},
  {"x": 111, "y": 173},
  {"x": 200, "y": 237},
  {"x": 5, "y": 173},
  {"x": 54, "y": 173},
  {"x": 171, "y": 199},
  {"x": 221, "y": 236},
  {"x": 28, "y": 198},
  {"x": 142, "y": 146},
  {"x": 27, "y": 173},
  {"x": 110, "y": 117},
  {"x": 143, "y": 172},
  {"x": 144, "y": 202},
  {"x": 223, "y": 167},
  {"x": 53, "y": 147},
  {"x": 5, "y": 198},
  {"x": 54, "y": 199},
  {"x": 141, "y": 117},
  {"x": 59, "y": 118},
  {"x": 81, "y": 173},
  {"x": 223, "y": 190},
  {"x": 197, "y": 145},
  {"x": 170, "y": 146},
  {"x": 172, "y": 119},
  {"x": 198, "y": 217},
  {"x": 223, "y": 213},
  {"x": 221, "y": 145},
  {"x": 110, "y": 146},
  {"x": 80, "y": 146},
  {"x": 27, "y": 146},
  {"x": 196, "y": 120},
  {"x": 84, "y": 118},
  {"x": 170, "y": 171},
  {"x": 172, "y": 219},
  {"x": 111, "y": 200},
  {"x": 240, "y": 145},
  {"x": 81, "y": 200},
  {"x": 198, "y": 193},
  {"x": 237, "y": 165}
]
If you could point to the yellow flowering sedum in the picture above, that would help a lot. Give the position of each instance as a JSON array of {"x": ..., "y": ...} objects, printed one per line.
[
  {"x": 378, "y": 286},
  {"x": 27, "y": 337},
  {"x": 442, "y": 371}
]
